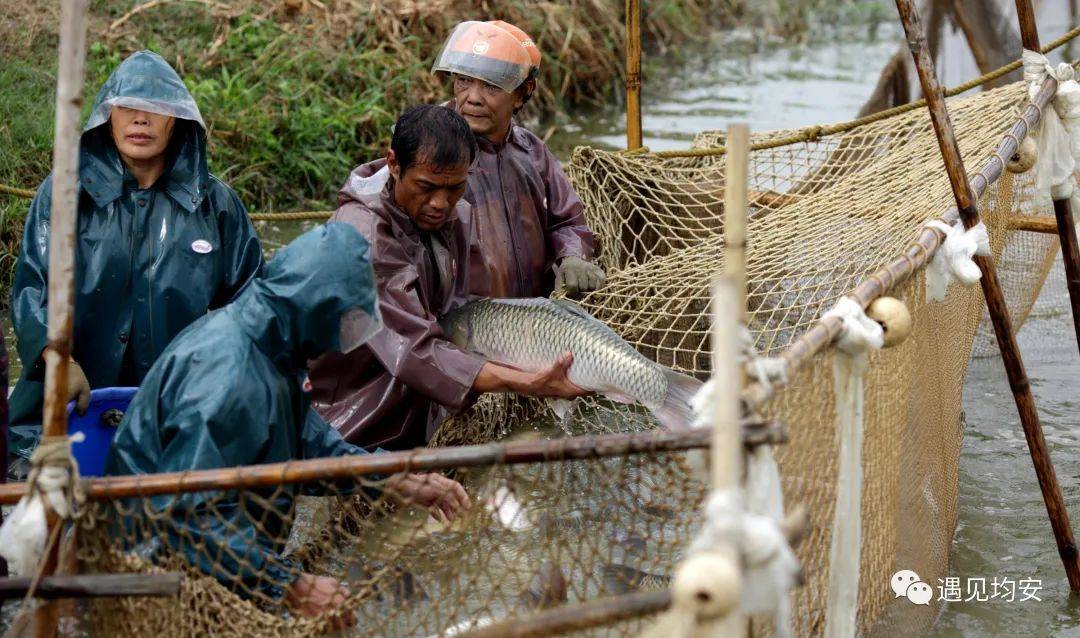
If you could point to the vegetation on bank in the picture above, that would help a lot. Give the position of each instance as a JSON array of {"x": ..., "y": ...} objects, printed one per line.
[{"x": 296, "y": 92}]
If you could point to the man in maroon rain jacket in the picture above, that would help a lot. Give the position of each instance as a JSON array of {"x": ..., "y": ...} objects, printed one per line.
[
  {"x": 388, "y": 392},
  {"x": 529, "y": 221}
]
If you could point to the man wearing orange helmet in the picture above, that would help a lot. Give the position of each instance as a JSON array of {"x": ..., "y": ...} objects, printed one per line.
[{"x": 529, "y": 221}]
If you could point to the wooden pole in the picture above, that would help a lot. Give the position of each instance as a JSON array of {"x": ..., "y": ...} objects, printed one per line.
[
  {"x": 573, "y": 618},
  {"x": 982, "y": 60},
  {"x": 736, "y": 191},
  {"x": 65, "y": 181},
  {"x": 1029, "y": 33},
  {"x": 633, "y": 74},
  {"x": 1074, "y": 12},
  {"x": 995, "y": 301},
  {"x": 1070, "y": 255},
  {"x": 1066, "y": 226},
  {"x": 93, "y": 586},
  {"x": 1034, "y": 224},
  {"x": 419, "y": 460}
]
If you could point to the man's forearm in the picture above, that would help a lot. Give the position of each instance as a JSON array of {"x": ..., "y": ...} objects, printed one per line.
[{"x": 496, "y": 378}]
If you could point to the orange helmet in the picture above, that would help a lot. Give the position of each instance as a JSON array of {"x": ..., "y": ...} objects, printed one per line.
[
  {"x": 524, "y": 39},
  {"x": 487, "y": 52}
]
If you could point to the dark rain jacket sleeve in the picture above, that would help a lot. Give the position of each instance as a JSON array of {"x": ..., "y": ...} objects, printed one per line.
[
  {"x": 243, "y": 253},
  {"x": 411, "y": 345},
  {"x": 568, "y": 233},
  {"x": 225, "y": 427},
  {"x": 319, "y": 440},
  {"x": 29, "y": 293}
]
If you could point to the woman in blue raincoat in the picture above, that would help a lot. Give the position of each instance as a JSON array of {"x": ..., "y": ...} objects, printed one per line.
[
  {"x": 160, "y": 241},
  {"x": 228, "y": 392}
]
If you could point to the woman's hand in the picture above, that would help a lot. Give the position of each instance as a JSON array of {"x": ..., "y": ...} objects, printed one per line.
[
  {"x": 312, "y": 596},
  {"x": 433, "y": 491}
]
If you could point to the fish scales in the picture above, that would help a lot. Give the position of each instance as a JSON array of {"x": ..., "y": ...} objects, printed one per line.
[{"x": 531, "y": 333}]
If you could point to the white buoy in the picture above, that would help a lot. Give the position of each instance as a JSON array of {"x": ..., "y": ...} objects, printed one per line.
[{"x": 894, "y": 318}]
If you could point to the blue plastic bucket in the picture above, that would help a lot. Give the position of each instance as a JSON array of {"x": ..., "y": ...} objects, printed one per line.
[{"x": 98, "y": 425}]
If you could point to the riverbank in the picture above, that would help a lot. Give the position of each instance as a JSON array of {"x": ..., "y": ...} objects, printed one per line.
[{"x": 296, "y": 92}]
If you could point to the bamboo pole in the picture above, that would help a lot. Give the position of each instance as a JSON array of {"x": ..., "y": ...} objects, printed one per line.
[
  {"x": 728, "y": 310},
  {"x": 726, "y": 458},
  {"x": 736, "y": 191},
  {"x": 726, "y": 451},
  {"x": 1034, "y": 224},
  {"x": 93, "y": 586},
  {"x": 69, "y": 83},
  {"x": 633, "y": 74},
  {"x": 572, "y": 618},
  {"x": 999, "y": 313},
  {"x": 418, "y": 460},
  {"x": 1066, "y": 227}
]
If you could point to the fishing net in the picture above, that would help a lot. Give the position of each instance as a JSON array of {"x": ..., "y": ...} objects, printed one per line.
[
  {"x": 524, "y": 546},
  {"x": 826, "y": 212}
]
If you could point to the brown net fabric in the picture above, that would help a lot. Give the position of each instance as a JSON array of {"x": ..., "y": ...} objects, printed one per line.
[
  {"x": 539, "y": 535},
  {"x": 826, "y": 213}
]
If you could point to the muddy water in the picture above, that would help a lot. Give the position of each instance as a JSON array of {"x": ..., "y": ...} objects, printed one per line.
[{"x": 1003, "y": 531}]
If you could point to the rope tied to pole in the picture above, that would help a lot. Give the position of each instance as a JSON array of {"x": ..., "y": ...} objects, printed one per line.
[
  {"x": 750, "y": 519},
  {"x": 954, "y": 259},
  {"x": 1057, "y": 139},
  {"x": 765, "y": 370},
  {"x": 54, "y": 478}
]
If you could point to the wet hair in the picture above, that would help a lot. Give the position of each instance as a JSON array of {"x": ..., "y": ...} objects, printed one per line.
[{"x": 435, "y": 135}]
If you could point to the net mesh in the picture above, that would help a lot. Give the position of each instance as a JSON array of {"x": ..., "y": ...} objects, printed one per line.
[
  {"x": 524, "y": 546},
  {"x": 826, "y": 212}
]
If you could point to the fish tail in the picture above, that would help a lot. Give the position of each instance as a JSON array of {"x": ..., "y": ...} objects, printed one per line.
[{"x": 675, "y": 413}]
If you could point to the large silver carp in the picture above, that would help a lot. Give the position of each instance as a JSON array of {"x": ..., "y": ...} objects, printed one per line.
[{"x": 530, "y": 334}]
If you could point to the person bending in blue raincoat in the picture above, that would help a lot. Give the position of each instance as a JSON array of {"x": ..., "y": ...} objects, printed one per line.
[
  {"x": 229, "y": 391},
  {"x": 160, "y": 241}
]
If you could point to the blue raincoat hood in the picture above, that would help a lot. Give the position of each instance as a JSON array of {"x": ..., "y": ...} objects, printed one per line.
[
  {"x": 145, "y": 81},
  {"x": 293, "y": 312}
]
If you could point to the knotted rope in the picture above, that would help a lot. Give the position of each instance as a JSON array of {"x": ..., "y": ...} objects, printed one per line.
[
  {"x": 54, "y": 475},
  {"x": 955, "y": 258}
]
